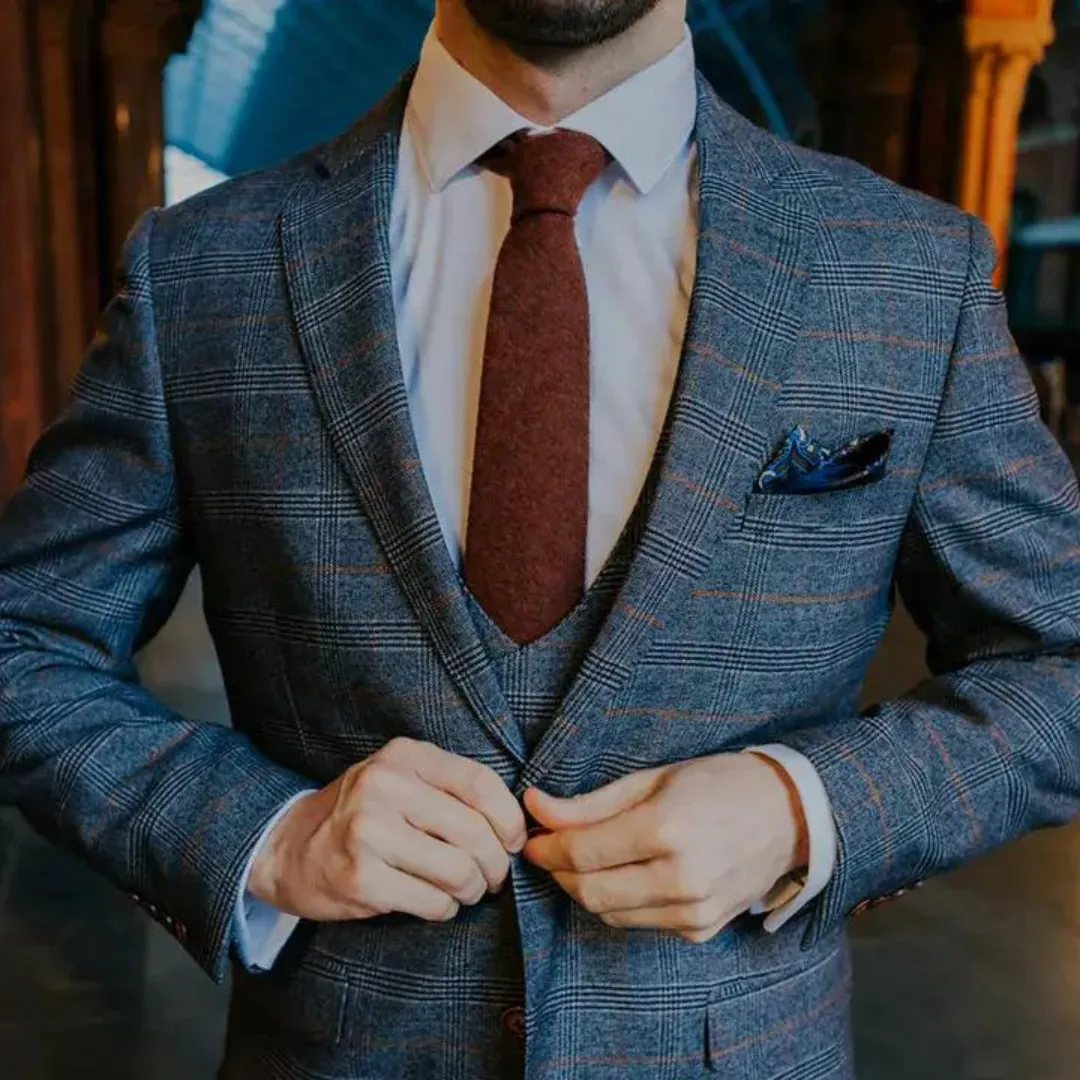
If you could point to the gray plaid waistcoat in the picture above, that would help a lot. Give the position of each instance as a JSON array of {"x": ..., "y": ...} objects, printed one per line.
[{"x": 535, "y": 679}]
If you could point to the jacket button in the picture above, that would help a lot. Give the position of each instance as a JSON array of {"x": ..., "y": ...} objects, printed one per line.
[
  {"x": 877, "y": 901},
  {"x": 514, "y": 1021}
]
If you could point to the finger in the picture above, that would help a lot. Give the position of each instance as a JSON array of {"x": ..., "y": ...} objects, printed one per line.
[
  {"x": 448, "y": 868},
  {"x": 477, "y": 786},
  {"x": 442, "y": 816},
  {"x": 634, "y": 836},
  {"x": 642, "y": 885},
  {"x": 677, "y": 918},
  {"x": 596, "y": 806},
  {"x": 387, "y": 889},
  {"x": 699, "y": 937}
]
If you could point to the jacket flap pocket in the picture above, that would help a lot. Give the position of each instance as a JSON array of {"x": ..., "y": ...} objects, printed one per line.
[
  {"x": 763, "y": 1026},
  {"x": 306, "y": 1001}
]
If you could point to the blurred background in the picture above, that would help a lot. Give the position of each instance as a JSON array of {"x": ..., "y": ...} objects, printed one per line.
[{"x": 110, "y": 106}]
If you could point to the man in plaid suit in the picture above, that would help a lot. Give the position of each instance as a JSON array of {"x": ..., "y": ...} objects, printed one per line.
[{"x": 549, "y": 444}]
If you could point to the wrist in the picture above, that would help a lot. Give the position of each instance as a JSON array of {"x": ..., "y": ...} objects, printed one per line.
[
  {"x": 798, "y": 839},
  {"x": 267, "y": 870}
]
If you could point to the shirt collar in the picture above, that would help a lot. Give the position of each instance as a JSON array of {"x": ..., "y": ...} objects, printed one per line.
[{"x": 644, "y": 122}]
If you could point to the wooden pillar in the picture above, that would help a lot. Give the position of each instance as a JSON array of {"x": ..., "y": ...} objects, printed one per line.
[
  {"x": 21, "y": 248},
  {"x": 1003, "y": 40}
]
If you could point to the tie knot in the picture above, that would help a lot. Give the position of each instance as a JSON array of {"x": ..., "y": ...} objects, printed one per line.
[{"x": 548, "y": 173}]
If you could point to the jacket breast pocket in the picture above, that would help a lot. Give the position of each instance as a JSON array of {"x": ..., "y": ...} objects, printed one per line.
[
  {"x": 884, "y": 498},
  {"x": 806, "y": 531}
]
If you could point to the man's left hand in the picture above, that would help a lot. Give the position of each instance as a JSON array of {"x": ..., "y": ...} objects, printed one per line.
[{"x": 685, "y": 848}]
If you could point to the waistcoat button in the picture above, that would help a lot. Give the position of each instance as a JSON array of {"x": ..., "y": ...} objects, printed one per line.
[{"x": 514, "y": 1021}]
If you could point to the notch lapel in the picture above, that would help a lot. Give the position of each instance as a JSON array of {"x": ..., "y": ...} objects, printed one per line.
[
  {"x": 755, "y": 249},
  {"x": 335, "y": 236}
]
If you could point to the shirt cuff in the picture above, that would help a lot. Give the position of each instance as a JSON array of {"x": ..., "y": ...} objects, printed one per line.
[
  {"x": 260, "y": 931},
  {"x": 821, "y": 829}
]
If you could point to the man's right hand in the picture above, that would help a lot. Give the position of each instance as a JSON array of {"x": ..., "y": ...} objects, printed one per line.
[{"x": 413, "y": 829}]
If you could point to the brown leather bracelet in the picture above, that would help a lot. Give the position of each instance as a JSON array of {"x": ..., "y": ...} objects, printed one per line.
[{"x": 802, "y": 843}]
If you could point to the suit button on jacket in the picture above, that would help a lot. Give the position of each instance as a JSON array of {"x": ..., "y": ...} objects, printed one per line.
[{"x": 514, "y": 1021}]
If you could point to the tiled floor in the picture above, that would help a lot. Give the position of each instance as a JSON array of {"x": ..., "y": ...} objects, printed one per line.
[{"x": 975, "y": 977}]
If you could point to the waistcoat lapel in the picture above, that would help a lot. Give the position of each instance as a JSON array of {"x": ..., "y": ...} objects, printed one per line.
[
  {"x": 755, "y": 249},
  {"x": 335, "y": 235}
]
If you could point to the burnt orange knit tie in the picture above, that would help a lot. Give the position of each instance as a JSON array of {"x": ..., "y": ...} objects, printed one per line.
[{"x": 528, "y": 509}]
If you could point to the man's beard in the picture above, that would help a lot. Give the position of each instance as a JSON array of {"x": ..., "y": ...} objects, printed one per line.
[{"x": 557, "y": 23}]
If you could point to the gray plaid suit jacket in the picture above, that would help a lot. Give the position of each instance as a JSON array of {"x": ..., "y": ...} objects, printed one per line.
[{"x": 243, "y": 408}]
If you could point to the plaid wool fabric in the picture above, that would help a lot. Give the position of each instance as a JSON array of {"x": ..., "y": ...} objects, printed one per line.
[{"x": 243, "y": 407}]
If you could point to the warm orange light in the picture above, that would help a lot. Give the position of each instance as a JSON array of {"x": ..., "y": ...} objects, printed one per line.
[{"x": 1003, "y": 39}]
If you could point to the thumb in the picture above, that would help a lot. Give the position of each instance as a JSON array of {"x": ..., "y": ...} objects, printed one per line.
[{"x": 599, "y": 805}]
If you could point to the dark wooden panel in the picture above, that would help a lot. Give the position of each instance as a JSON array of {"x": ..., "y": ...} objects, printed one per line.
[{"x": 21, "y": 239}]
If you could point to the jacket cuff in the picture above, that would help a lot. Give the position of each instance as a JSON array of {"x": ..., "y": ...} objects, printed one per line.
[{"x": 881, "y": 842}]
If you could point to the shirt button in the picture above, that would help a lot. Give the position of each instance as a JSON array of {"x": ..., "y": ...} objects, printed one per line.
[{"x": 514, "y": 1021}]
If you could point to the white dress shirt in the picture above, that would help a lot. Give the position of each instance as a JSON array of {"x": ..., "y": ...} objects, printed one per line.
[{"x": 637, "y": 232}]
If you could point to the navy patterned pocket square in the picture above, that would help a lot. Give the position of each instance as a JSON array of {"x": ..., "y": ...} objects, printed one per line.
[{"x": 804, "y": 467}]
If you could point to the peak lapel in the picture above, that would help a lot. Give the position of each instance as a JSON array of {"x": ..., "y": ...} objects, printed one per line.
[
  {"x": 755, "y": 249},
  {"x": 335, "y": 235}
]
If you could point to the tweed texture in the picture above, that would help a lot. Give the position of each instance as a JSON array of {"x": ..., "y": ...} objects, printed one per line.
[
  {"x": 243, "y": 406},
  {"x": 529, "y": 503}
]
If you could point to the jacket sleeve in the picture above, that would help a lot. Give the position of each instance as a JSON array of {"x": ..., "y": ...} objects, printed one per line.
[
  {"x": 989, "y": 747},
  {"x": 93, "y": 555}
]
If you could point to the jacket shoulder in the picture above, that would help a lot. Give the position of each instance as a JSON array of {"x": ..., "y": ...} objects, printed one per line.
[
  {"x": 240, "y": 210},
  {"x": 868, "y": 216},
  {"x": 855, "y": 201},
  {"x": 238, "y": 213}
]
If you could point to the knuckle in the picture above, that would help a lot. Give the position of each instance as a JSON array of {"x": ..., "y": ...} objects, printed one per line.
[
  {"x": 356, "y": 831},
  {"x": 481, "y": 784},
  {"x": 579, "y": 856},
  {"x": 700, "y": 917},
  {"x": 491, "y": 792},
  {"x": 475, "y": 832},
  {"x": 353, "y": 886},
  {"x": 593, "y": 897},
  {"x": 494, "y": 871},
  {"x": 500, "y": 863},
  {"x": 373, "y": 779},
  {"x": 461, "y": 878},
  {"x": 399, "y": 749},
  {"x": 696, "y": 937},
  {"x": 688, "y": 881},
  {"x": 447, "y": 909},
  {"x": 668, "y": 836}
]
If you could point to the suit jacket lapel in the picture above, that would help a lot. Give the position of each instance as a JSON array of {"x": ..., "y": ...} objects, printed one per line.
[
  {"x": 335, "y": 236},
  {"x": 755, "y": 249}
]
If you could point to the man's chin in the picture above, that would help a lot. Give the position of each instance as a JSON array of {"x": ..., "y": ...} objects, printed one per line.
[{"x": 557, "y": 24}]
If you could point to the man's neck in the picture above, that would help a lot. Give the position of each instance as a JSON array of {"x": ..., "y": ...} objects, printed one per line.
[{"x": 545, "y": 85}]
